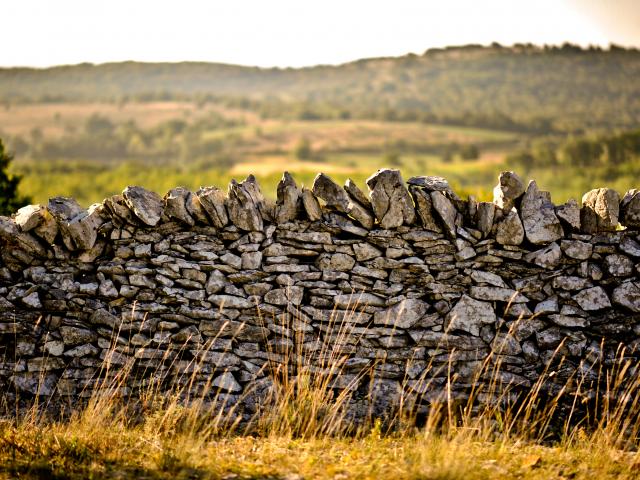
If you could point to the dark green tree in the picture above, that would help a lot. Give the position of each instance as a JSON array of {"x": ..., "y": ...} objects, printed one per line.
[{"x": 10, "y": 199}]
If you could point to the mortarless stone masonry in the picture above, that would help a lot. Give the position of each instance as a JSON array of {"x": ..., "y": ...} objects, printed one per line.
[{"x": 402, "y": 287}]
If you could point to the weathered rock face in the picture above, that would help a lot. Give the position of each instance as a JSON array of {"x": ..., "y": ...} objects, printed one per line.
[
  {"x": 222, "y": 290},
  {"x": 245, "y": 205},
  {"x": 390, "y": 199},
  {"x": 541, "y": 225},
  {"x": 630, "y": 208},
  {"x": 600, "y": 210},
  {"x": 288, "y": 203},
  {"x": 509, "y": 189},
  {"x": 338, "y": 198},
  {"x": 146, "y": 205}
]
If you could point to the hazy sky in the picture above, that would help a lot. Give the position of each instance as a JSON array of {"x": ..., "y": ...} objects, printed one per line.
[{"x": 294, "y": 32}]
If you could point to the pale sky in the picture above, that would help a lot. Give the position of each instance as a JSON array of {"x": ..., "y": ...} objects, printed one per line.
[{"x": 294, "y": 32}]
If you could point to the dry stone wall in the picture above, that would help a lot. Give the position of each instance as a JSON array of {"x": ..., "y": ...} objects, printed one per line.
[{"x": 406, "y": 292}]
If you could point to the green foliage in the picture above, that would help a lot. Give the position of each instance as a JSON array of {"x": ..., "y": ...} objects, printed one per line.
[
  {"x": 10, "y": 198},
  {"x": 519, "y": 88},
  {"x": 302, "y": 149}
]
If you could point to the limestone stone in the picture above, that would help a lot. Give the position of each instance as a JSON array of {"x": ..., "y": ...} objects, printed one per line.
[
  {"x": 391, "y": 202},
  {"x": 470, "y": 315},
  {"x": 175, "y": 205},
  {"x": 497, "y": 294},
  {"x": 285, "y": 296},
  {"x": 510, "y": 230},
  {"x": 592, "y": 299},
  {"x": 146, "y": 205},
  {"x": 10, "y": 234},
  {"x": 548, "y": 257},
  {"x": 76, "y": 335},
  {"x": 618, "y": 265},
  {"x": 340, "y": 262},
  {"x": 485, "y": 213},
  {"x": 32, "y": 300},
  {"x": 366, "y": 251},
  {"x": 541, "y": 225},
  {"x": 627, "y": 295},
  {"x": 569, "y": 212},
  {"x": 480, "y": 276},
  {"x": 630, "y": 247},
  {"x": 509, "y": 189},
  {"x": 600, "y": 210},
  {"x": 354, "y": 300},
  {"x": 83, "y": 229},
  {"x": 288, "y": 202},
  {"x": 424, "y": 208},
  {"x": 226, "y": 382},
  {"x": 311, "y": 205},
  {"x": 245, "y": 205},
  {"x": 30, "y": 217},
  {"x": 446, "y": 212},
  {"x": 63, "y": 210},
  {"x": 355, "y": 193},
  {"x": 433, "y": 184},
  {"x": 630, "y": 209},
  {"x": 337, "y": 197},
  {"x": 230, "y": 301},
  {"x": 404, "y": 314},
  {"x": 212, "y": 200},
  {"x": 576, "y": 249}
]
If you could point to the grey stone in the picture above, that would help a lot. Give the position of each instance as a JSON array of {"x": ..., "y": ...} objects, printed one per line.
[
  {"x": 146, "y": 205},
  {"x": 433, "y": 184},
  {"x": 63, "y": 210},
  {"x": 354, "y": 300},
  {"x": 226, "y": 382},
  {"x": 288, "y": 204},
  {"x": 570, "y": 213},
  {"x": 10, "y": 234},
  {"x": 576, "y": 249},
  {"x": 390, "y": 199},
  {"x": 30, "y": 217},
  {"x": 285, "y": 296},
  {"x": 175, "y": 205},
  {"x": 404, "y": 314},
  {"x": 627, "y": 295},
  {"x": 212, "y": 200},
  {"x": 366, "y": 251},
  {"x": 497, "y": 294},
  {"x": 509, "y": 230},
  {"x": 548, "y": 257},
  {"x": 592, "y": 299},
  {"x": 311, "y": 205},
  {"x": 230, "y": 301},
  {"x": 246, "y": 205},
  {"x": 355, "y": 193},
  {"x": 32, "y": 300},
  {"x": 509, "y": 189},
  {"x": 618, "y": 265},
  {"x": 600, "y": 210},
  {"x": 340, "y": 262},
  {"x": 470, "y": 315},
  {"x": 485, "y": 214},
  {"x": 446, "y": 212},
  {"x": 424, "y": 208},
  {"x": 630, "y": 247},
  {"x": 541, "y": 225},
  {"x": 76, "y": 336},
  {"x": 629, "y": 209},
  {"x": 337, "y": 197},
  {"x": 83, "y": 229},
  {"x": 480, "y": 276}
]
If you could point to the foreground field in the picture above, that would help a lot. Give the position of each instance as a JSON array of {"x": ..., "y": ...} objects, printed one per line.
[{"x": 88, "y": 450}]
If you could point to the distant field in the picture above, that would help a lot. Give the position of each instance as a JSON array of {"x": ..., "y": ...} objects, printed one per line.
[{"x": 214, "y": 144}]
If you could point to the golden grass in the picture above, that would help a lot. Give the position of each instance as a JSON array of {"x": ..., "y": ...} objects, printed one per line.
[{"x": 302, "y": 430}]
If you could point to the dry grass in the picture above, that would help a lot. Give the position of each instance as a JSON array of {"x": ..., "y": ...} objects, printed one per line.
[{"x": 303, "y": 429}]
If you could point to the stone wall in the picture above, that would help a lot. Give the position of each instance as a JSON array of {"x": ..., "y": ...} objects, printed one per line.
[{"x": 404, "y": 292}]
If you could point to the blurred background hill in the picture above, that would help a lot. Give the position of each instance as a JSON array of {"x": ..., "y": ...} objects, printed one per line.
[{"x": 568, "y": 116}]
